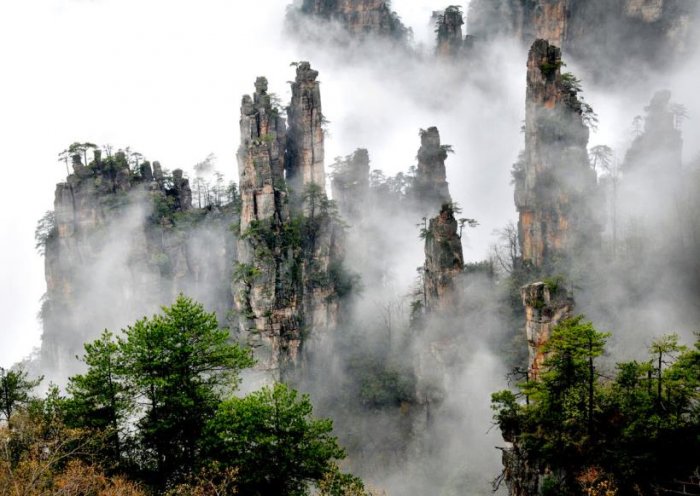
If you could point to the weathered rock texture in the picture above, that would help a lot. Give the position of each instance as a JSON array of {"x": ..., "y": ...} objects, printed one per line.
[
  {"x": 123, "y": 243},
  {"x": 444, "y": 263},
  {"x": 554, "y": 181},
  {"x": 261, "y": 158},
  {"x": 646, "y": 32},
  {"x": 448, "y": 25},
  {"x": 305, "y": 153},
  {"x": 658, "y": 148},
  {"x": 289, "y": 267},
  {"x": 358, "y": 17},
  {"x": 546, "y": 305},
  {"x": 431, "y": 190},
  {"x": 350, "y": 185}
]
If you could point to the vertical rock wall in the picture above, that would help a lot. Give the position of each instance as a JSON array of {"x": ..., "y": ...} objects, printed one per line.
[
  {"x": 450, "y": 40},
  {"x": 444, "y": 263},
  {"x": 546, "y": 305},
  {"x": 125, "y": 241},
  {"x": 350, "y": 185},
  {"x": 290, "y": 251},
  {"x": 554, "y": 183},
  {"x": 358, "y": 17},
  {"x": 648, "y": 33},
  {"x": 431, "y": 190},
  {"x": 305, "y": 153}
]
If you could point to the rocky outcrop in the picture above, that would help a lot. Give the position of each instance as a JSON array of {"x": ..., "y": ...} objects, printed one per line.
[
  {"x": 261, "y": 158},
  {"x": 647, "y": 33},
  {"x": 657, "y": 150},
  {"x": 290, "y": 258},
  {"x": 304, "y": 160},
  {"x": 350, "y": 184},
  {"x": 444, "y": 263},
  {"x": 546, "y": 305},
  {"x": 431, "y": 190},
  {"x": 125, "y": 240},
  {"x": 448, "y": 25},
  {"x": 554, "y": 181},
  {"x": 359, "y": 18}
]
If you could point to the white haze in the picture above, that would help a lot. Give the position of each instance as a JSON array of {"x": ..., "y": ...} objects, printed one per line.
[{"x": 166, "y": 77}]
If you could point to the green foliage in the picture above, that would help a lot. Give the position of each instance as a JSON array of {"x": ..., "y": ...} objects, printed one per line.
[
  {"x": 178, "y": 364},
  {"x": 271, "y": 436},
  {"x": 100, "y": 399},
  {"x": 15, "y": 390},
  {"x": 571, "y": 82},
  {"x": 548, "y": 69},
  {"x": 46, "y": 230},
  {"x": 636, "y": 427}
]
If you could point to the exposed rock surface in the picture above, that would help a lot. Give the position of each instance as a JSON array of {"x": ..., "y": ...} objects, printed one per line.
[
  {"x": 554, "y": 181},
  {"x": 357, "y": 17},
  {"x": 450, "y": 40},
  {"x": 304, "y": 161},
  {"x": 285, "y": 284},
  {"x": 261, "y": 158},
  {"x": 431, "y": 190},
  {"x": 658, "y": 148},
  {"x": 123, "y": 243},
  {"x": 646, "y": 32},
  {"x": 350, "y": 185},
  {"x": 444, "y": 263},
  {"x": 546, "y": 305}
]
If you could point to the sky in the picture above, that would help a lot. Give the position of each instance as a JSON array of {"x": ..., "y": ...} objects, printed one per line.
[{"x": 164, "y": 77}]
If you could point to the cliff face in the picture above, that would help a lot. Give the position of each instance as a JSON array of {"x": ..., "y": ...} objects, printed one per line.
[
  {"x": 350, "y": 185},
  {"x": 546, "y": 305},
  {"x": 261, "y": 158},
  {"x": 554, "y": 182},
  {"x": 450, "y": 40},
  {"x": 125, "y": 240},
  {"x": 431, "y": 190},
  {"x": 359, "y": 18},
  {"x": 646, "y": 32},
  {"x": 658, "y": 147},
  {"x": 305, "y": 153},
  {"x": 444, "y": 263},
  {"x": 290, "y": 262}
]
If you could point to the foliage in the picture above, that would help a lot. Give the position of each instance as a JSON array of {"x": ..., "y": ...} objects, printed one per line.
[
  {"x": 179, "y": 363},
  {"x": 15, "y": 389},
  {"x": 35, "y": 448},
  {"x": 100, "y": 399},
  {"x": 631, "y": 432},
  {"x": 45, "y": 231},
  {"x": 271, "y": 436}
]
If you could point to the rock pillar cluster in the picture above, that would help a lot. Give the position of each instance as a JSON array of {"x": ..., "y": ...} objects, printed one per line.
[
  {"x": 261, "y": 158},
  {"x": 647, "y": 32},
  {"x": 554, "y": 181},
  {"x": 289, "y": 254},
  {"x": 114, "y": 251},
  {"x": 358, "y": 17}
]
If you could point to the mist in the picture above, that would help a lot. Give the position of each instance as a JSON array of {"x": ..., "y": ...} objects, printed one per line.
[{"x": 166, "y": 79}]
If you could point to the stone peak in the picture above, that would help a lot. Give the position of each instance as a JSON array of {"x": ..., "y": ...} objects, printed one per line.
[{"x": 305, "y": 74}]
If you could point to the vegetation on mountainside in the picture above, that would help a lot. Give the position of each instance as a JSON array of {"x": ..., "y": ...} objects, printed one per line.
[
  {"x": 633, "y": 431},
  {"x": 155, "y": 413}
]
